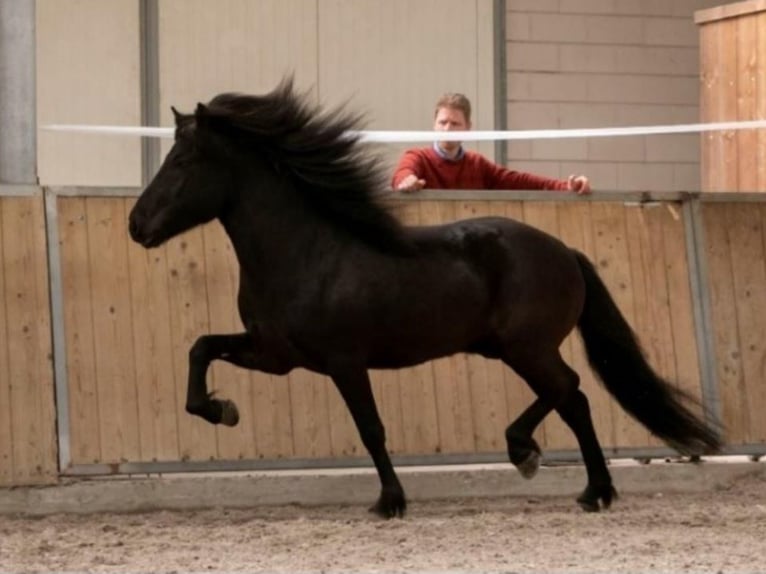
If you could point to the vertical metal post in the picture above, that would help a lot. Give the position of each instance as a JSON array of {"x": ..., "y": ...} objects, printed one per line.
[
  {"x": 150, "y": 85},
  {"x": 501, "y": 92},
  {"x": 57, "y": 325},
  {"x": 701, "y": 305},
  {"x": 18, "y": 125}
]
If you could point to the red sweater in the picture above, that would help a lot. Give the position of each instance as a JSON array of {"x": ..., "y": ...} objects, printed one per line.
[{"x": 472, "y": 171}]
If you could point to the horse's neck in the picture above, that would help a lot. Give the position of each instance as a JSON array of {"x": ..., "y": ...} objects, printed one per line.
[{"x": 268, "y": 230}]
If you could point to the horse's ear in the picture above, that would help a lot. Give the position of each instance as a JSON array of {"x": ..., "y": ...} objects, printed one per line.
[
  {"x": 176, "y": 114},
  {"x": 202, "y": 116}
]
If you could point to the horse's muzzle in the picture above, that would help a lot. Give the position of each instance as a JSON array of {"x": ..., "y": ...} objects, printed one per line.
[
  {"x": 134, "y": 228},
  {"x": 137, "y": 228}
]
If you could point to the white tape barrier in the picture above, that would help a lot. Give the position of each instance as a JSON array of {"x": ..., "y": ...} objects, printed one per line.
[{"x": 470, "y": 136}]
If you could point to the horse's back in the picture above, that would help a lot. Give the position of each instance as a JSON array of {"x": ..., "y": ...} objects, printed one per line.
[{"x": 534, "y": 279}]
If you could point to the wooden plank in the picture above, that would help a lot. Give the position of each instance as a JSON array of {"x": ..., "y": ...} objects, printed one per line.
[
  {"x": 310, "y": 414},
  {"x": 747, "y": 64},
  {"x": 719, "y": 103},
  {"x": 727, "y": 106},
  {"x": 46, "y": 463},
  {"x": 228, "y": 381},
  {"x": 385, "y": 387},
  {"x": 708, "y": 70},
  {"x": 576, "y": 229},
  {"x": 650, "y": 319},
  {"x": 686, "y": 354},
  {"x": 28, "y": 329},
  {"x": 746, "y": 232},
  {"x": 496, "y": 375},
  {"x": 517, "y": 392},
  {"x": 731, "y": 10},
  {"x": 263, "y": 400},
  {"x": 760, "y": 101},
  {"x": 189, "y": 319},
  {"x": 6, "y": 426},
  {"x": 489, "y": 409},
  {"x": 757, "y": 394},
  {"x": 418, "y": 394},
  {"x": 544, "y": 216},
  {"x": 387, "y": 384},
  {"x": 113, "y": 329},
  {"x": 660, "y": 345},
  {"x": 273, "y": 426},
  {"x": 158, "y": 404},
  {"x": 612, "y": 258},
  {"x": 344, "y": 436},
  {"x": 453, "y": 391},
  {"x": 84, "y": 414},
  {"x": 729, "y": 371}
]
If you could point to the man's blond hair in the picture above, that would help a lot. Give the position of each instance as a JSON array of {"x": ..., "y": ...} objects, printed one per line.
[{"x": 455, "y": 101}]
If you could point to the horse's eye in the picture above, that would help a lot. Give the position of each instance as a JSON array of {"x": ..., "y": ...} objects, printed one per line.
[{"x": 184, "y": 160}]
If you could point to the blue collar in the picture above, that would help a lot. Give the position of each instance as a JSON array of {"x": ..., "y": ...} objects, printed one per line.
[{"x": 441, "y": 154}]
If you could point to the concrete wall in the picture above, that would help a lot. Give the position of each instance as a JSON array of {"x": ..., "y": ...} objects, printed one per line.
[
  {"x": 17, "y": 92},
  {"x": 602, "y": 63}
]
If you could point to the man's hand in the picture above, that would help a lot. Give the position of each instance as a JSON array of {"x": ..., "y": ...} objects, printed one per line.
[
  {"x": 411, "y": 183},
  {"x": 579, "y": 184}
]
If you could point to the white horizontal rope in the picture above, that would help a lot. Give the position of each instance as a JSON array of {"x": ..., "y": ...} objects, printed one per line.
[
  {"x": 112, "y": 130},
  {"x": 385, "y": 136}
]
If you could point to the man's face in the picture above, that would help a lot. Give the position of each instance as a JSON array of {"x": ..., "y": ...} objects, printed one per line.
[{"x": 449, "y": 120}]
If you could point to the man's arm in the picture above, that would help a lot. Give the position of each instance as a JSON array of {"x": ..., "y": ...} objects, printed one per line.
[
  {"x": 408, "y": 174},
  {"x": 502, "y": 178}
]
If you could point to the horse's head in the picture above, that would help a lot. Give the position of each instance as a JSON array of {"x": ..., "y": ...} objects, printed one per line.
[{"x": 190, "y": 187}]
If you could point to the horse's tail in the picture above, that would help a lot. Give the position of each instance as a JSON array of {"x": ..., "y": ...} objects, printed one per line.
[{"x": 616, "y": 356}]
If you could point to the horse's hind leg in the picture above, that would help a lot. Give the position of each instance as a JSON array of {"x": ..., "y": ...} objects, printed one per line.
[
  {"x": 556, "y": 386},
  {"x": 575, "y": 412},
  {"x": 355, "y": 388},
  {"x": 548, "y": 376},
  {"x": 523, "y": 450}
]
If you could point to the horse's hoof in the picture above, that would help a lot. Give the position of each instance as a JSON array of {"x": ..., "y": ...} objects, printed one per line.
[
  {"x": 530, "y": 465},
  {"x": 390, "y": 505},
  {"x": 588, "y": 505},
  {"x": 229, "y": 413},
  {"x": 594, "y": 498}
]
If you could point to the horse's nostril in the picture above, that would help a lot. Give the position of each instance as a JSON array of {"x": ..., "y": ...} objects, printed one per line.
[{"x": 133, "y": 228}]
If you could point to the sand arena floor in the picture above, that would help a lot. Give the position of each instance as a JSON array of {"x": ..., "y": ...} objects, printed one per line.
[{"x": 719, "y": 531}]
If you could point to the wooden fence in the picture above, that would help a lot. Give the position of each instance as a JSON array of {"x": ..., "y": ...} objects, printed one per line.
[
  {"x": 685, "y": 273},
  {"x": 27, "y": 413}
]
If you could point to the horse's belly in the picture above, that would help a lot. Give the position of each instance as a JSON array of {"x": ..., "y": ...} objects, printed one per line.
[{"x": 402, "y": 352}]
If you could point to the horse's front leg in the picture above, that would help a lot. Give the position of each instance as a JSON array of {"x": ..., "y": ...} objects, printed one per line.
[
  {"x": 240, "y": 350},
  {"x": 355, "y": 388}
]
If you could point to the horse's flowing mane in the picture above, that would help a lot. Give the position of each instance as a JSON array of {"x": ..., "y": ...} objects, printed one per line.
[{"x": 340, "y": 178}]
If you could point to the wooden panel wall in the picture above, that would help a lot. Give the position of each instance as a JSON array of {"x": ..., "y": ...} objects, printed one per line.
[
  {"x": 735, "y": 247},
  {"x": 132, "y": 315},
  {"x": 28, "y": 453},
  {"x": 733, "y": 87}
]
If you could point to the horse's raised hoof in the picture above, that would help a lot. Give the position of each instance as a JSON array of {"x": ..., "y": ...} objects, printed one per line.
[
  {"x": 229, "y": 413},
  {"x": 530, "y": 465},
  {"x": 391, "y": 504},
  {"x": 594, "y": 498}
]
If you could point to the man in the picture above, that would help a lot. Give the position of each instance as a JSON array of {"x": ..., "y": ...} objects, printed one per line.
[{"x": 447, "y": 165}]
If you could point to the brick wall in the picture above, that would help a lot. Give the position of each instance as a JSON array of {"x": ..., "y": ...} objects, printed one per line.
[{"x": 603, "y": 63}]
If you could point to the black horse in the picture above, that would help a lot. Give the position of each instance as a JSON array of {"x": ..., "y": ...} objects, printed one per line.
[{"x": 330, "y": 281}]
